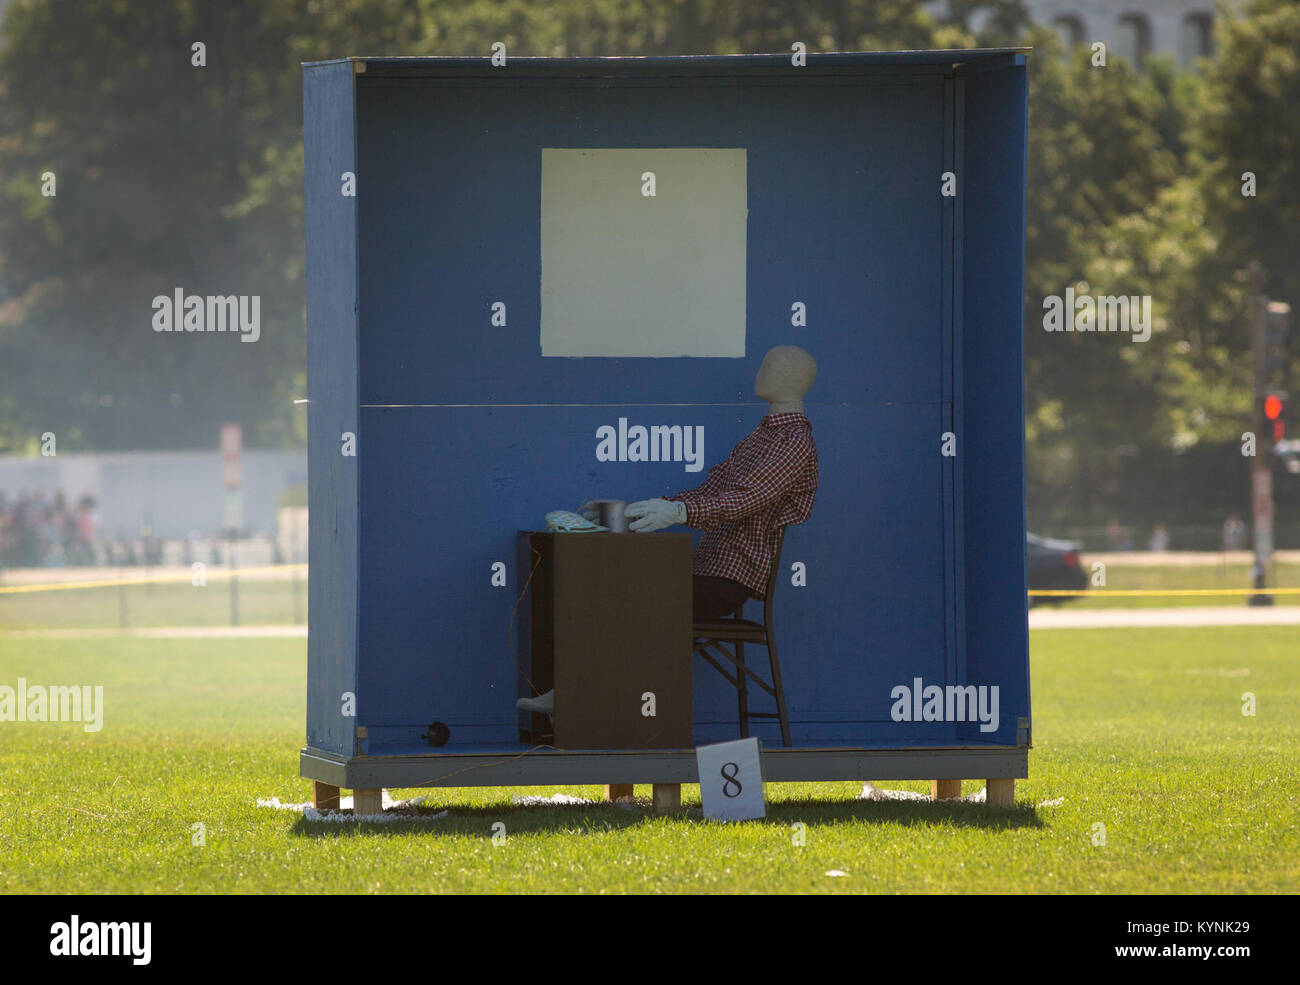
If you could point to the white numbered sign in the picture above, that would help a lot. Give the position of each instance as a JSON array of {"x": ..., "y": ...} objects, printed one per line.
[{"x": 731, "y": 780}]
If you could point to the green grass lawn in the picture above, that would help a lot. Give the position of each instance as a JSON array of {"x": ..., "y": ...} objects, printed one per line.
[
  {"x": 258, "y": 602},
  {"x": 1138, "y": 730}
]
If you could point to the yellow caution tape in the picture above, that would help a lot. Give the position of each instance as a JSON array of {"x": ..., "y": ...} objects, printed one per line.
[
  {"x": 223, "y": 572},
  {"x": 1136, "y": 592},
  {"x": 211, "y": 572}
]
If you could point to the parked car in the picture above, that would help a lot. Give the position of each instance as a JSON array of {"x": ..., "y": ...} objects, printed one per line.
[{"x": 1054, "y": 564}]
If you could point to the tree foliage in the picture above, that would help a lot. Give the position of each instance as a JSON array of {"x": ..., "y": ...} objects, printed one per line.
[{"x": 171, "y": 176}]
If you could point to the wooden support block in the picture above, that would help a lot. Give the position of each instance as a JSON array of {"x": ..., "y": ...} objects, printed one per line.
[
  {"x": 945, "y": 789},
  {"x": 324, "y": 797},
  {"x": 667, "y": 797},
  {"x": 1000, "y": 792},
  {"x": 618, "y": 791},
  {"x": 367, "y": 801}
]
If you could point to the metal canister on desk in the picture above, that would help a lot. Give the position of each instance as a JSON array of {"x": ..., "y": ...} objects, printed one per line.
[{"x": 610, "y": 513}]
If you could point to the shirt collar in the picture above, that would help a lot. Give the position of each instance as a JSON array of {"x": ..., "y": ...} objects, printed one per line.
[{"x": 780, "y": 420}]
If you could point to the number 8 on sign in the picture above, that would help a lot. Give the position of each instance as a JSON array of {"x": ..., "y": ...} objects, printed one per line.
[{"x": 731, "y": 780}]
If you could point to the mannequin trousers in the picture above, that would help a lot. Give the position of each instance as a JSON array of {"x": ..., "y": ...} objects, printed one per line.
[{"x": 717, "y": 598}]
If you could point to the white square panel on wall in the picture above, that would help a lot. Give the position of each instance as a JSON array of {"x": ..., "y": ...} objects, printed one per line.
[{"x": 628, "y": 273}]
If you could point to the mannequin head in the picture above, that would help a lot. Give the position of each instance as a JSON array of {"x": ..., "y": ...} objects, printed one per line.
[{"x": 785, "y": 376}]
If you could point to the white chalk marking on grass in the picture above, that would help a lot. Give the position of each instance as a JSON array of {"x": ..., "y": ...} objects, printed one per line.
[
  {"x": 559, "y": 798},
  {"x": 310, "y": 813},
  {"x": 836, "y": 873},
  {"x": 872, "y": 792}
]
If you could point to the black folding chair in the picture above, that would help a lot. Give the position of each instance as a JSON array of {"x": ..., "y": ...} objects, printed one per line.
[{"x": 727, "y": 639}]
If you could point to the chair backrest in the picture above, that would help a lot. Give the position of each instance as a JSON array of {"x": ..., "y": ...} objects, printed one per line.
[{"x": 772, "y": 579}]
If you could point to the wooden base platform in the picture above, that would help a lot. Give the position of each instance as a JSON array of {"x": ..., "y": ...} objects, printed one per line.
[{"x": 368, "y": 776}]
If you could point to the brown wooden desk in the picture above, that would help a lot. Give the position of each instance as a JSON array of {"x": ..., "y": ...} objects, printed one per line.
[{"x": 607, "y": 621}]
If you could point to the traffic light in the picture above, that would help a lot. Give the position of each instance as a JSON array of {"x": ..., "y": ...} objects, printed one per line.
[{"x": 1274, "y": 408}]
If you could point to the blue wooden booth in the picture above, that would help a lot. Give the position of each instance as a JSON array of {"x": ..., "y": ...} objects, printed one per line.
[{"x": 472, "y": 325}]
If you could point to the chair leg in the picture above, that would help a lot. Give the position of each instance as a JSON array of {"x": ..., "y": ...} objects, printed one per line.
[
  {"x": 779, "y": 687},
  {"x": 742, "y": 692}
]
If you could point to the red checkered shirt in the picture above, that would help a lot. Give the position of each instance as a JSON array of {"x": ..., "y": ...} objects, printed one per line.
[{"x": 767, "y": 483}]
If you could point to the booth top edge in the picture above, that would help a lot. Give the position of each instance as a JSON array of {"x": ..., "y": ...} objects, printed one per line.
[{"x": 416, "y": 65}]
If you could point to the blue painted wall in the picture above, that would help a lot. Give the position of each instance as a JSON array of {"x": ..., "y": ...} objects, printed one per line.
[
  {"x": 329, "y": 146},
  {"x": 993, "y": 467}
]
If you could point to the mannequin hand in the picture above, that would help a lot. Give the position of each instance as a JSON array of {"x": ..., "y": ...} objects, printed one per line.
[
  {"x": 588, "y": 511},
  {"x": 649, "y": 515}
]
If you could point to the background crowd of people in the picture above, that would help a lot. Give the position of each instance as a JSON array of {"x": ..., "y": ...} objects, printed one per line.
[{"x": 38, "y": 530}]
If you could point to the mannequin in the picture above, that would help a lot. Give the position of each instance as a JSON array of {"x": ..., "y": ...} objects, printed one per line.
[{"x": 767, "y": 483}]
